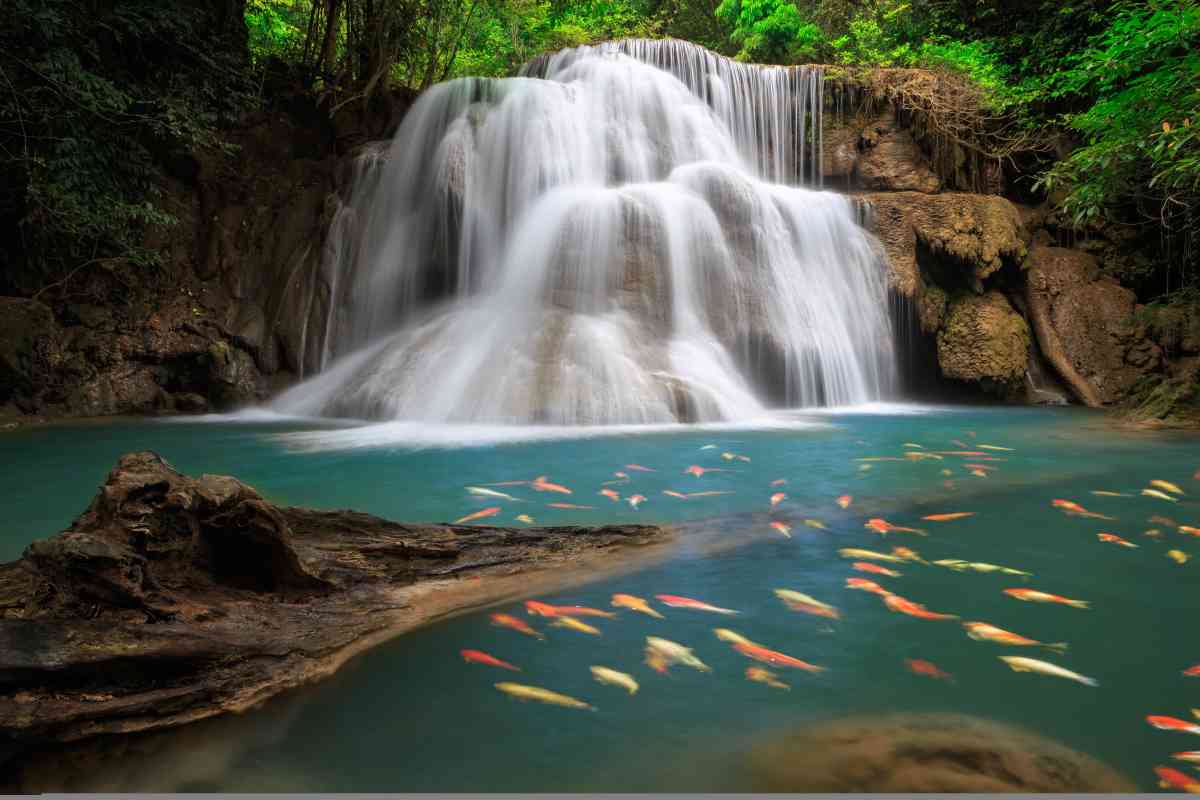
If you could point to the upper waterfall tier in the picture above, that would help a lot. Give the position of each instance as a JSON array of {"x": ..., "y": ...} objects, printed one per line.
[{"x": 614, "y": 237}]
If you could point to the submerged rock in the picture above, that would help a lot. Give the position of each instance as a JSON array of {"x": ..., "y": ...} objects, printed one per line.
[
  {"x": 936, "y": 752},
  {"x": 172, "y": 599},
  {"x": 985, "y": 340}
]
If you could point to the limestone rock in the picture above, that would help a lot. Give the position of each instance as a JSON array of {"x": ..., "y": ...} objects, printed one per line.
[
  {"x": 984, "y": 340},
  {"x": 891, "y": 161}
]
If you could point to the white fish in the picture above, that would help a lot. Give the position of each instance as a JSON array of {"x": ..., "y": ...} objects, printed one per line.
[
  {"x": 613, "y": 678},
  {"x": 1022, "y": 664},
  {"x": 675, "y": 653},
  {"x": 479, "y": 491},
  {"x": 1159, "y": 495}
]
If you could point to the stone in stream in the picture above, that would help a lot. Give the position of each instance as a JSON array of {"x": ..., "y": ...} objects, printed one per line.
[{"x": 171, "y": 599}]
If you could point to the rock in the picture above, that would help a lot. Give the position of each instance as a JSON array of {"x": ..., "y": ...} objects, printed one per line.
[
  {"x": 890, "y": 159},
  {"x": 1084, "y": 323},
  {"x": 29, "y": 344},
  {"x": 935, "y": 752},
  {"x": 984, "y": 340},
  {"x": 172, "y": 599},
  {"x": 234, "y": 379},
  {"x": 957, "y": 239}
]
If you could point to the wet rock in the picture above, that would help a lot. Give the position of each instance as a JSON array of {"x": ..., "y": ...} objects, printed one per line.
[
  {"x": 984, "y": 340},
  {"x": 172, "y": 599},
  {"x": 957, "y": 239},
  {"x": 1085, "y": 326},
  {"x": 29, "y": 343},
  {"x": 935, "y": 752},
  {"x": 890, "y": 159}
]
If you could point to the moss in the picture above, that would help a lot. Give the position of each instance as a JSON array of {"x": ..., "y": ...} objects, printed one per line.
[
  {"x": 984, "y": 340},
  {"x": 1161, "y": 400}
]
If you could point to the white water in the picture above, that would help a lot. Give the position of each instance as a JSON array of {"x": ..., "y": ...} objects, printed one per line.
[{"x": 618, "y": 240}]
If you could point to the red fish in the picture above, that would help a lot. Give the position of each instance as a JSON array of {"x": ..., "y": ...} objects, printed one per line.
[
  {"x": 480, "y": 657},
  {"x": 511, "y": 622},
  {"x": 919, "y": 667},
  {"x": 895, "y": 602},
  {"x": 1192, "y": 672},
  {"x": 777, "y": 498},
  {"x": 547, "y": 610},
  {"x": 779, "y": 482},
  {"x": 1071, "y": 507},
  {"x": 487, "y": 512},
  {"x": 883, "y": 527},
  {"x": 569, "y": 506},
  {"x": 611, "y": 495},
  {"x": 867, "y": 586},
  {"x": 1189, "y": 530},
  {"x": 1173, "y": 724},
  {"x": 845, "y": 500},
  {"x": 675, "y": 601},
  {"x": 670, "y": 493},
  {"x": 638, "y": 468},
  {"x": 541, "y": 484},
  {"x": 863, "y": 566},
  {"x": 1112, "y": 538},
  {"x": 773, "y": 657},
  {"x": 635, "y": 500},
  {"x": 782, "y": 528},
  {"x": 699, "y": 471},
  {"x": 948, "y": 517},
  {"x": 1174, "y": 779}
]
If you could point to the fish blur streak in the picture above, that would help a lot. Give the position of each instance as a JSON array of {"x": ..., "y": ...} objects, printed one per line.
[
  {"x": 528, "y": 520},
  {"x": 1178, "y": 556},
  {"x": 690, "y": 495},
  {"x": 546, "y": 610},
  {"x": 1159, "y": 495},
  {"x": 845, "y": 500},
  {"x": 983, "y": 632},
  {"x": 870, "y": 555},
  {"x": 1174, "y": 779},
  {"x": 511, "y": 622},
  {"x": 675, "y": 601},
  {"x": 1190, "y": 756},
  {"x": 733, "y": 637},
  {"x": 634, "y": 604},
  {"x": 908, "y": 554},
  {"x": 927, "y": 668},
  {"x": 798, "y": 601},
  {"x": 670, "y": 493},
  {"x": 1173, "y": 724},
  {"x": 570, "y": 623},
  {"x": 668, "y": 652},
  {"x": 948, "y": 517},
  {"x": 1114, "y": 539},
  {"x": 994, "y": 447},
  {"x": 542, "y": 484},
  {"x": 636, "y": 500},
  {"x": 777, "y": 498},
  {"x": 1034, "y": 596},
  {"x": 902, "y": 605},
  {"x": 815, "y": 523},
  {"x": 639, "y": 468},
  {"x": 479, "y": 491},
  {"x": 612, "y": 677},
  {"x": 1192, "y": 672},
  {"x": 765, "y": 676},
  {"x": 1022, "y": 664},
  {"x": 1071, "y": 507},
  {"x": 611, "y": 495},
  {"x": 569, "y": 506},
  {"x": 523, "y": 692},
  {"x": 774, "y": 657},
  {"x": 863, "y": 566},
  {"x": 480, "y": 657},
  {"x": 782, "y": 528},
  {"x": 487, "y": 512},
  {"x": 779, "y": 482},
  {"x": 862, "y": 584},
  {"x": 883, "y": 527},
  {"x": 1166, "y": 486},
  {"x": 1100, "y": 493},
  {"x": 1188, "y": 530}
]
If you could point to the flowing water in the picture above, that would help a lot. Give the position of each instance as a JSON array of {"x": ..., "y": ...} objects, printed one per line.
[
  {"x": 618, "y": 236},
  {"x": 412, "y": 716}
]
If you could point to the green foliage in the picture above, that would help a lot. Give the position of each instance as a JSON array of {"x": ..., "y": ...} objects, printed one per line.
[
  {"x": 276, "y": 28},
  {"x": 770, "y": 31},
  {"x": 91, "y": 101}
]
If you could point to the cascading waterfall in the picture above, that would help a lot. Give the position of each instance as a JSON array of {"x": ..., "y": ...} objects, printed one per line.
[{"x": 616, "y": 236}]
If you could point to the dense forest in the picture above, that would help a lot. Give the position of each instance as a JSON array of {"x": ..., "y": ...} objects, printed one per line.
[{"x": 1098, "y": 101}]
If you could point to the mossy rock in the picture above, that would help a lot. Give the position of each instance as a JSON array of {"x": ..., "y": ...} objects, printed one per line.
[{"x": 984, "y": 340}]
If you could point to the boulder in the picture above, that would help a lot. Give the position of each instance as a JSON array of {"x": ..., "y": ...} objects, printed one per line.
[
  {"x": 29, "y": 343},
  {"x": 1085, "y": 325},
  {"x": 984, "y": 340}
]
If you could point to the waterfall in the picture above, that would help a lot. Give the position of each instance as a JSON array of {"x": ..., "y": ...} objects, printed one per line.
[{"x": 619, "y": 235}]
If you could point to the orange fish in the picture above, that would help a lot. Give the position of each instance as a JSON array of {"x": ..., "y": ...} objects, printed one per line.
[
  {"x": 895, "y": 602},
  {"x": 782, "y": 528},
  {"x": 635, "y": 500},
  {"x": 611, "y": 495},
  {"x": 978, "y": 473},
  {"x": 1189, "y": 530},
  {"x": 777, "y": 498},
  {"x": 480, "y": 657},
  {"x": 1114, "y": 539},
  {"x": 779, "y": 482},
  {"x": 1070, "y": 507},
  {"x": 883, "y": 527},
  {"x": 541, "y": 484},
  {"x": 569, "y": 506},
  {"x": 907, "y": 554},
  {"x": 1174, "y": 779},
  {"x": 919, "y": 667},
  {"x": 948, "y": 517},
  {"x": 867, "y": 586},
  {"x": 1034, "y": 596},
  {"x": 699, "y": 471},
  {"x": 487, "y": 512},
  {"x": 1192, "y": 672},
  {"x": 621, "y": 475},
  {"x": 507, "y": 621},
  {"x": 546, "y": 610},
  {"x": 983, "y": 632},
  {"x": 983, "y": 467},
  {"x": 863, "y": 566},
  {"x": 972, "y": 453},
  {"x": 1173, "y": 724},
  {"x": 773, "y": 657},
  {"x": 638, "y": 468},
  {"x": 670, "y": 493},
  {"x": 674, "y": 601},
  {"x": 845, "y": 500}
]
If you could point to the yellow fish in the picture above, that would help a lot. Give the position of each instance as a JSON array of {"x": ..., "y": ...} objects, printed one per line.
[
  {"x": 733, "y": 637},
  {"x": 870, "y": 555},
  {"x": 528, "y": 520},
  {"x": 914, "y": 444},
  {"x": 1167, "y": 486},
  {"x": 574, "y": 624},
  {"x": 1159, "y": 495},
  {"x": 1022, "y": 664},
  {"x": 996, "y": 447},
  {"x": 760, "y": 675},
  {"x": 1178, "y": 556},
  {"x": 815, "y": 523},
  {"x": 613, "y": 678},
  {"x": 1101, "y": 493},
  {"x": 634, "y": 604},
  {"x": 523, "y": 692}
]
